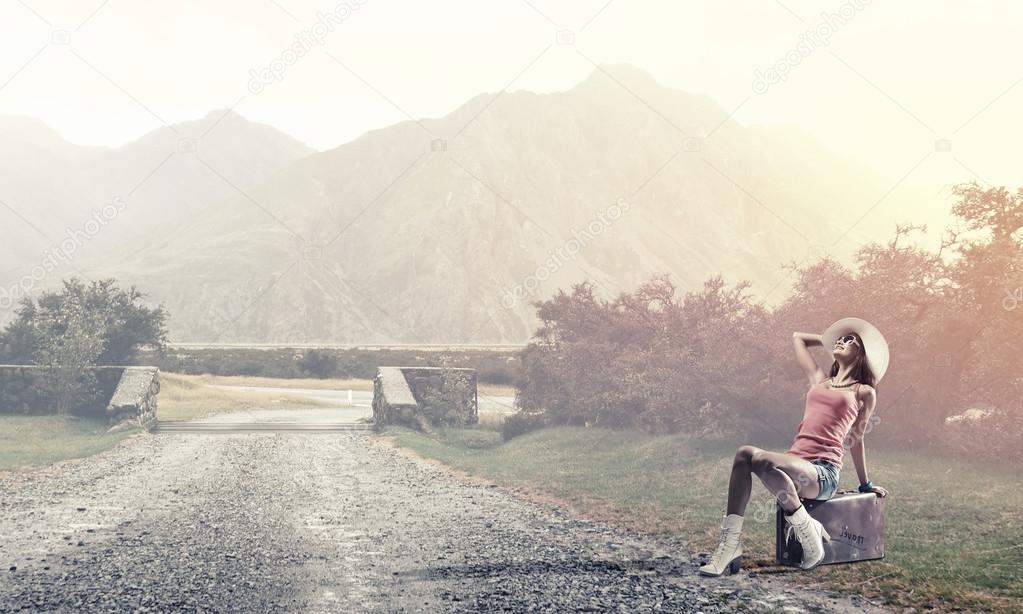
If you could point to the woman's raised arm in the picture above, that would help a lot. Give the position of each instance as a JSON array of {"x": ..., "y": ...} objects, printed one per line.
[{"x": 800, "y": 341}]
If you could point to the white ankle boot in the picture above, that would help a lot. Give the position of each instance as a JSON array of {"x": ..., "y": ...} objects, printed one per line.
[
  {"x": 728, "y": 553},
  {"x": 811, "y": 536}
]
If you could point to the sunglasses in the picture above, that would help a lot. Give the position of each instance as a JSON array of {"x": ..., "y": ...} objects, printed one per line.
[{"x": 847, "y": 339}]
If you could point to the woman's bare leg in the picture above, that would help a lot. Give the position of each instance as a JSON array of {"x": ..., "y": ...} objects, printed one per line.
[
  {"x": 786, "y": 476},
  {"x": 741, "y": 482}
]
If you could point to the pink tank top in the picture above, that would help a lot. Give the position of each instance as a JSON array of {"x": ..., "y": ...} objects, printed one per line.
[{"x": 829, "y": 414}]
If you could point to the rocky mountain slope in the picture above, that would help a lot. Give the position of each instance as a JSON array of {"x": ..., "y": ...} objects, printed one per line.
[{"x": 444, "y": 229}]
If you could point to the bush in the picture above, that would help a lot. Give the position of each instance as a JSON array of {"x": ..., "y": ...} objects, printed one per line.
[
  {"x": 490, "y": 421},
  {"x": 996, "y": 437},
  {"x": 446, "y": 398},
  {"x": 648, "y": 360},
  {"x": 42, "y": 390},
  {"x": 521, "y": 423},
  {"x": 506, "y": 374},
  {"x": 318, "y": 364}
]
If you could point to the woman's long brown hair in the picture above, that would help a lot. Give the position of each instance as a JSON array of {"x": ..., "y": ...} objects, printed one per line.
[{"x": 861, "y": 371}]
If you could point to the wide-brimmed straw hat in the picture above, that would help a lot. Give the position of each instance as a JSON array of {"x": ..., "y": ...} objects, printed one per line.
[{"x": 873, "y": 342}]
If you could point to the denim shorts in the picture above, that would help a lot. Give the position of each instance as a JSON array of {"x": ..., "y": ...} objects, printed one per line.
[{"x": 827, "y": 478}]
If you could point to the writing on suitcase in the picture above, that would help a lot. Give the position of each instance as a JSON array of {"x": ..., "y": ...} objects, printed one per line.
[{"x": 858, "y": 539}]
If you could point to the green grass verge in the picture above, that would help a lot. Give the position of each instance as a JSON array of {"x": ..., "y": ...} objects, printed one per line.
[
  {"x": 954, "y": 532},
  {"x": 41, "y": 440}
]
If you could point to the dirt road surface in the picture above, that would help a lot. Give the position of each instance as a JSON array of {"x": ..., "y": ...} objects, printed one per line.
[{"x": 328, "y": 522}]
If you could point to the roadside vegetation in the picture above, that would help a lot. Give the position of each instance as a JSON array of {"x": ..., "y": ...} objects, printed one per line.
[
  {"x": 500, "y": 368},
  {"x": 715, "y": 361},
  {"x": 946, "y": 549},
  {"x": 42, "y": 440}
]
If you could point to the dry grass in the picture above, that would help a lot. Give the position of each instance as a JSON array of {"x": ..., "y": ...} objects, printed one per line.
[
  {"x": 186, "y": 397},
  {"x": 274, "y": 382}
]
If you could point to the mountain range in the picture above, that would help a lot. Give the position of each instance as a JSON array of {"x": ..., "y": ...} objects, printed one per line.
[{"x": 421, "y": 232}]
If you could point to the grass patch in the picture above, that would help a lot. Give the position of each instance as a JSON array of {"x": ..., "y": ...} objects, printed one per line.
[
  {"x": 954, "y": 533},
  {"x": 41, "y": 440},
  {"x": 186, "y": 397},
  {"x": 470, "y": 439}
]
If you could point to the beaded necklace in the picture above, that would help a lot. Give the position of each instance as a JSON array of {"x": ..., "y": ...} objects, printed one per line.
[{"x": 834, "y": 385}]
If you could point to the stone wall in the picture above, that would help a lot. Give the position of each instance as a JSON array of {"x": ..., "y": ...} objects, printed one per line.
[
  {"x": 126, "y": 396},
  {"x": 420, "y": 397},
  {"x": 445, "y": 395},
  {"x": 393, "y": 401},
  {"x": 133, "y": 402}
]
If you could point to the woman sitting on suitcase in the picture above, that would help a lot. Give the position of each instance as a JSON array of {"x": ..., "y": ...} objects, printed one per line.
[{"x": 838, "y": 408}]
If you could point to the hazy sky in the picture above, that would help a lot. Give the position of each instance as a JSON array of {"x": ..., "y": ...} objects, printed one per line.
[{"x": 880, "y": 81}]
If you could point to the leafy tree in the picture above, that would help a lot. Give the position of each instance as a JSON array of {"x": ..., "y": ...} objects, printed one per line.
[
  {"x": 715, "y": 361},
  {"x": 450, "y": 400},
  {"x": 69, "y": 342},
  {"x": 116, "y": 317},
  {"x": 648, "y": 360},
  {"x": 988, "y": 282}
]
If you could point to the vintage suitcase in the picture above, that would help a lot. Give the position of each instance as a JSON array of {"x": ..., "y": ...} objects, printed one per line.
[{"x": 854, "y": 520}]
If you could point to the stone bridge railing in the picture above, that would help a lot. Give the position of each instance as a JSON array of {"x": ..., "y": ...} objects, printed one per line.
[
  {"x": 420, "y": 397},
  {"x": 134, "y": 400}
]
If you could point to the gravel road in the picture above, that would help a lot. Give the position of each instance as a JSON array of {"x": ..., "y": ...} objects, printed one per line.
[{"x": 338, "y": 522}]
